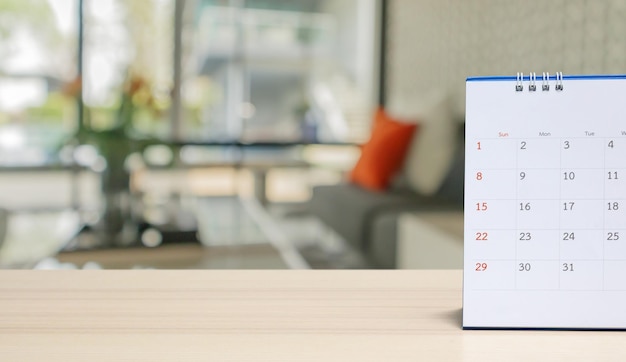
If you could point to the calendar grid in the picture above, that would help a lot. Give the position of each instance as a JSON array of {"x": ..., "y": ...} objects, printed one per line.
[
  {"x": 603, "y": 281},
  {"x": 560, "y": 200},
  {"x": 516, "y": 215},
  {"x": 561, "y": 197}
]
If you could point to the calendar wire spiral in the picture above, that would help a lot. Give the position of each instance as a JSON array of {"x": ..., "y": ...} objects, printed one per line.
[{"x": 545, "y": 82}]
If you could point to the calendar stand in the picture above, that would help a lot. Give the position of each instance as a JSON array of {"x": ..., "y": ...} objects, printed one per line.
[{"x": 545, "y": 202}]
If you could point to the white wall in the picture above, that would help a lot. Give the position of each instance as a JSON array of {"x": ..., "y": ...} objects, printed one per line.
[{"x": 435, "y": 44}]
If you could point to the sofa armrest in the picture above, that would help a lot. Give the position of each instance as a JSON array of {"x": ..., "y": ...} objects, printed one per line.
[{"x": 430, "y": 240}]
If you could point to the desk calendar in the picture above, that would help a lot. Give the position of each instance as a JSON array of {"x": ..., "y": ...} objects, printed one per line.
[{"x": 545, "y": 202}]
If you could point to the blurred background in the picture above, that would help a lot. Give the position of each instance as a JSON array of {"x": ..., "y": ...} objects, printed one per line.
[
  {"x": 121, "y": 122},
  {"x": 224, "y": 133}
]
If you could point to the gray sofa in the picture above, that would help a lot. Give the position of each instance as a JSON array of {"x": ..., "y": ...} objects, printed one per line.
[{"x": 367, "y": 220}]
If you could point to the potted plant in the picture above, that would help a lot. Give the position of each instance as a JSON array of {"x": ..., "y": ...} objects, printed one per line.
[{"x": 114, "y": 145}]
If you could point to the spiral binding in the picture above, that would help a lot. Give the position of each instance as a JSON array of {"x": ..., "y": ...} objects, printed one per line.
[
  {"x": 545, "y": 82},
  {"x": 559, "y": 81}
]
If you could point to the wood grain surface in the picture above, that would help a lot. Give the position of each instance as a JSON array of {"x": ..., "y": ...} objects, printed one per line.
[{"x": 262, "y": 316}]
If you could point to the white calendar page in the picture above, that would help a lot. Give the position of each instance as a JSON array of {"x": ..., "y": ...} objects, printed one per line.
[{"x": 545, "y": 204}]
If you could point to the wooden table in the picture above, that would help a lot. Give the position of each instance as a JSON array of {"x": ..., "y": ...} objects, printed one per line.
[{"x": 263, "y": 316}]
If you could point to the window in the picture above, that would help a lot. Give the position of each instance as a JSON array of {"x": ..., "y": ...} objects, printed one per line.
[
  {"x": 263, "y": 70},
  {"x": 38, "y": 42},
  {"x": 128, "y": 44}
]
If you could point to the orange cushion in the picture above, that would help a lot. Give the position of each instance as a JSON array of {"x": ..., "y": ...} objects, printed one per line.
[{"x": 383, "y": 155}]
